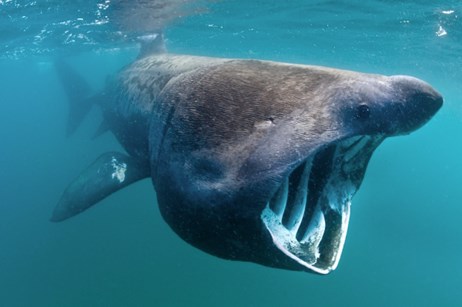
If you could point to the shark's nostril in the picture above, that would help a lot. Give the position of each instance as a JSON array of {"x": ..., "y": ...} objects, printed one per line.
[{"x": 428, "y": 103}]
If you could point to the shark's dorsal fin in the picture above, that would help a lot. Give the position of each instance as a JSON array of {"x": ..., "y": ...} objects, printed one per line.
[{"x": 151, "y": 44}]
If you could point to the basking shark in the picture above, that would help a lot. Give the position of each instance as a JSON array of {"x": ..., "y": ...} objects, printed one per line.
[{"x": 251, "y": 160}]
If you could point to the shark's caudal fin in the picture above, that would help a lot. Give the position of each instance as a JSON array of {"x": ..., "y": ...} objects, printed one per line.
[
  {"x": 79, "y": 95},
  {"x": 109, "y": 173},
  {"x": 103, "y": 128}
]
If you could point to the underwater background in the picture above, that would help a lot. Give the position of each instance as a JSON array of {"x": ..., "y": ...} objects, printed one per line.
[{"x": 404, "y": 246}]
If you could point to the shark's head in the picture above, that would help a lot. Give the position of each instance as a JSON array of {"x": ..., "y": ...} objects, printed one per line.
[
  {"x": 259, "y": 161},
  {"x": 308, "y": 214}
]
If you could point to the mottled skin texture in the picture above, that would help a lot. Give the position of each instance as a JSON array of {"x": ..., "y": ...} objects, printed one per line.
[{"x": 221, "y": 134}]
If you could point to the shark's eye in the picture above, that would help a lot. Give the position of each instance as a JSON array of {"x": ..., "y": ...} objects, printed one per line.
[{"x": 363, "y": 112}]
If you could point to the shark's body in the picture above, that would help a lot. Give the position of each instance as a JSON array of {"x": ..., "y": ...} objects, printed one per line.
[{"x": 251, "y": 160}]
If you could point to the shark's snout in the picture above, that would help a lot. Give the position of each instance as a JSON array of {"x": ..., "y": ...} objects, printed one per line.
[{"x": 416, "y": 102}]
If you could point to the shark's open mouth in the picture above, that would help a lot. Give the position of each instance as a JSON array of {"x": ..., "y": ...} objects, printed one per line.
[{"x": 308, "y": 216}]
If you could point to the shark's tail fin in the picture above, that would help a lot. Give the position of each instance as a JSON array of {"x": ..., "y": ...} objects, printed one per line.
[{"x": 78, "y": 92}]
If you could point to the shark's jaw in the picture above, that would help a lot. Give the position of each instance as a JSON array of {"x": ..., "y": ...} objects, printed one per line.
[{"x": 308, "y": 215}]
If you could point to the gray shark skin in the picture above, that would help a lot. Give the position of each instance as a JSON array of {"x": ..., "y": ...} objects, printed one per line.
[{"x": 251, "y": 160}]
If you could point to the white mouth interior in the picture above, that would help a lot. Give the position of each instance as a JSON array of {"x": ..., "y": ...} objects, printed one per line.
[{"x": 308, "y": 215}]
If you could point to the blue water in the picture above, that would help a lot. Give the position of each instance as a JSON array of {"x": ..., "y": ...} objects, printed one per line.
[{"x": 403, "y": 246}]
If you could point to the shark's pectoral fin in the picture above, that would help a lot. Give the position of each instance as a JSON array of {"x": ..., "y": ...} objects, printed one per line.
[{"x": 109, "y": 173}]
